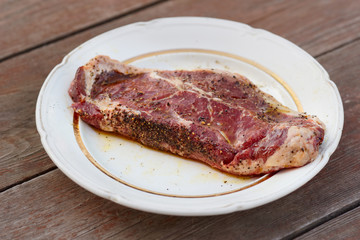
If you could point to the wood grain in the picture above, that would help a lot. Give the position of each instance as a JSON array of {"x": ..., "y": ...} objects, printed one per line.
[
  {"x": 316, "y": 26},
  {"x": 41, "y": 21},
  {"x": 346, "y": 226},
  {"x": 53, "y": 202},
  {"x": 28, "y": 71},
  {"x": 51, "y": 206},
  {"x": 21, "y": 78}
]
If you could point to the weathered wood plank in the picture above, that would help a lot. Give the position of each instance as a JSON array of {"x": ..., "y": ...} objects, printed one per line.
[
  {"x": 317, "y": 26},
  {"x": 15, "y": 80},
  {"x": 40, "y": 21},
  {"x": 51, "y": 206},
  {"x": 21, "y": 155},
  {"x": 336, "y": 187},
  {"x": 346, "y": 226}
]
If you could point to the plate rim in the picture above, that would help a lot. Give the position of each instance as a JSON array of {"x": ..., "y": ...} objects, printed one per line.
[{"x": 83, "y": 181}]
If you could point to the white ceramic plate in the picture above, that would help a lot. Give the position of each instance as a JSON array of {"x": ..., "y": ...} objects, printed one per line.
[{"x": 135, "y": 176}]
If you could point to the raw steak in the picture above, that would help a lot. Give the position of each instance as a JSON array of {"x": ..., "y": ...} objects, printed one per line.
[{"x": 213, "y": 116}]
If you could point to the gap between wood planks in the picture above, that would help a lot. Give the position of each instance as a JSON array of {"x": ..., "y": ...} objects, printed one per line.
[
  {"x": 84, "y": 30},
  {"x": 61, "y": 37},
  {"x": 111, "y": 19},
  {"x": 114, "y": 18},
  {"x": 291, "y": 236},
  {"x": 28, "y": 179},
  {"x": 323, "y": 220},
  {"x": 337, "y": 47},
  {"x": 294, "y": 235}
]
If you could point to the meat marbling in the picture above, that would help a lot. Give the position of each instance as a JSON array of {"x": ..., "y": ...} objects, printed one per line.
[{"x": 213, "y": 116}]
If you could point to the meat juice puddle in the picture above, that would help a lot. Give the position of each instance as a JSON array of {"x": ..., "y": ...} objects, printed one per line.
[
  {"x": 110, "y": 141},
  {"x": 166, "y": 174},
  {"x": 162, "y": 173}
]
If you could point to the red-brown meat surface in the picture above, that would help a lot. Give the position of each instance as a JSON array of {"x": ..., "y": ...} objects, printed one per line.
[{"x": 216, "y": 117}]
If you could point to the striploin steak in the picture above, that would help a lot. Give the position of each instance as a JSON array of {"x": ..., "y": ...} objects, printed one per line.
[{"x": 213, "y": 116}]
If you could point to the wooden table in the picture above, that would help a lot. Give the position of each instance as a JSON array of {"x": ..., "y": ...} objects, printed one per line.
[{"x": 39, "y": 201}]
